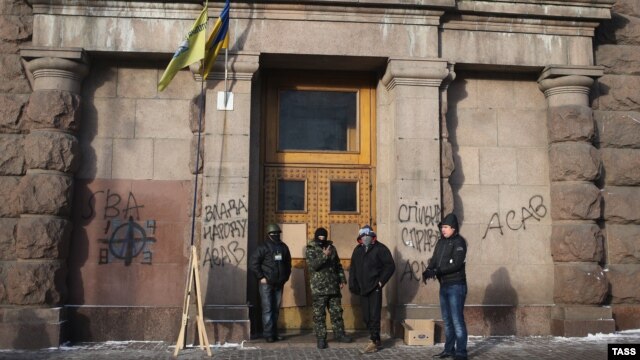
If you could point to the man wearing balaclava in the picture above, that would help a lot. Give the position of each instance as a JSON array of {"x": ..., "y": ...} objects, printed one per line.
[
  {"x": 371, "y": 267},
  {"x": 448, "y": 265},
  {"x": 327, "y": 278},
  {"x": 271, "y": 263}
]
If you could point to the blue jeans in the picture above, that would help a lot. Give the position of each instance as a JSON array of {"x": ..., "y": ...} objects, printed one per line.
[
  {"x": 270, "y": 299},
  {"x": 452, "y": 299}
]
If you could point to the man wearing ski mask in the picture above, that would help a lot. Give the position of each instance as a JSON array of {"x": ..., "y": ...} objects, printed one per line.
[
  {"x": 271, "y": 263},
  {"x": 371, "y": 267}
]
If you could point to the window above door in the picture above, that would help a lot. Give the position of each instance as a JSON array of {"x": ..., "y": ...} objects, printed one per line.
[{"x": 318, "y": 118}]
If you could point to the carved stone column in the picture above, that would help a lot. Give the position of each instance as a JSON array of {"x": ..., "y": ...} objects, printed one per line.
[
  {"x": 36, "y": 285},
  {"x": 576, "y": 240}
]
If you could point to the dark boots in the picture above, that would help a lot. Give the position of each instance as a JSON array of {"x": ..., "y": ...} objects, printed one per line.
[
  {"x": 322, "y": 343},
  {"x": 342, "y": 337}
]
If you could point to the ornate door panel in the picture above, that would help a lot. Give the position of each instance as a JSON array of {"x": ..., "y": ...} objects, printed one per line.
[
  {"x": 318, "y": 161},
  {"x": 302, "y": 199}
]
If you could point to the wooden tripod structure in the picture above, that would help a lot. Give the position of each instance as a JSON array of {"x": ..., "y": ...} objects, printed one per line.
[{"x": 193, "y": 277}]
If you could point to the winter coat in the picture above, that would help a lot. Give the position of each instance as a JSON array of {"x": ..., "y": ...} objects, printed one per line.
[
  {"x": 326, "y": 271},
  {"x": 449, "y": 255},
  {"x": 265, "y": 264},
  {"x": 369, "y": 268}
]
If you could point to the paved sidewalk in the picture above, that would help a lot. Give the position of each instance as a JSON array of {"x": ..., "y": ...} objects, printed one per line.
[{"x": 303, "y": 347}]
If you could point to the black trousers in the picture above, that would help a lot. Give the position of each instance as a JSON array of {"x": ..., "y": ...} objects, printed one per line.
[{"x": 371, "y": 308}]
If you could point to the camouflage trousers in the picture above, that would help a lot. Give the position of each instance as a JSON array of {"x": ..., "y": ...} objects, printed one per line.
[{"x": 332, "y": 303}]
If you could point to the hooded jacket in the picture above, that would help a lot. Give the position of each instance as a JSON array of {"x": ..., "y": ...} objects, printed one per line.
[
  {"x": 449, "y": 255},
  {"x": 265, "y": 264},
  {"x": 370, "y": 267}
]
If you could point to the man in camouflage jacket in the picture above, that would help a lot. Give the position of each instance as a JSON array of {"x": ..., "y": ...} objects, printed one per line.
[{"x": 327, "y": 278}]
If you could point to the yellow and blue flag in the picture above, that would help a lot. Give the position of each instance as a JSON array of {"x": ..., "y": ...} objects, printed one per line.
[
  {"x": 218, "y": 39},
  {"x": 190, "y": 50}
]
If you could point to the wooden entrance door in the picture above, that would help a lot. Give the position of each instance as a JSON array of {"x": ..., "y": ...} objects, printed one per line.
[{"x": 318, "y": 170}]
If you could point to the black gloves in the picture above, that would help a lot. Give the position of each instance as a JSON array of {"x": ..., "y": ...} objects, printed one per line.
[{"x": 429, "y": 274}]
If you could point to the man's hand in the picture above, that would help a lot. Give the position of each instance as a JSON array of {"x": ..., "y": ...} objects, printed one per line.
[
  {"x": 341, "y": 285},
  {"x": 428, "y": 275},
  {"x": 327, "y": 251},
  {"x": 263, "y": 281}
]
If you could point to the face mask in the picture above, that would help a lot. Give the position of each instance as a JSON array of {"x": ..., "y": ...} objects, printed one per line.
[
  {"x": 366, "y": 240},
  {"x": 275, "y": 237}
]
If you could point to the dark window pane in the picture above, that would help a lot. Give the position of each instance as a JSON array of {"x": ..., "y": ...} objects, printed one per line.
[
  {"x": 344, "y": 196},
  {"x": 317, "y": 120},
  {"x": 290, "y": 195}
]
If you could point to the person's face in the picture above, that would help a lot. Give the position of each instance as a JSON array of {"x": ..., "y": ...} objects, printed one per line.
[
  {"x": 275, "y": 236},
  {"x": 447, "y": 231}
]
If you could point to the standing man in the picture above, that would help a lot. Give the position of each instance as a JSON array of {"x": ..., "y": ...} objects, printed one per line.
[
  {"x": 271, "y": 263},
  {"x": 448, "y": 265},
  {"x": 371, "y": 267},
  {"x": 327, "y": 278}
]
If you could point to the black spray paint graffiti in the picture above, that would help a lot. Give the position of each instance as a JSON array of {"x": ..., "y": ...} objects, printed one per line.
[
  {"x": 230, "y": 254},
  {"x": 413, "y": 270},
  {"x": 536, "y": 211},
  {"x": 125, "y": 237},
  {"x": 419, "y": 236},
  {"x": 223, "y": 222},
  {"x": 112, "y": 206}
]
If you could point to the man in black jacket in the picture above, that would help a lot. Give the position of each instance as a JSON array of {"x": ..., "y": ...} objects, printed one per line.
[
  {"x": 371, "y": 267},
  {"x": 448, "y": 265},
  {"x": 271, "y": 263}
]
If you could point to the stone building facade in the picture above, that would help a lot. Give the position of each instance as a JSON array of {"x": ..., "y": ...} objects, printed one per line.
[{"x": 522, "y": 117}]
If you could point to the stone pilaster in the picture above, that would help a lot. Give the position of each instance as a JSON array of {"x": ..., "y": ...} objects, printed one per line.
[
  {"x": 227, "y": 149},
  {"x": 36, "y": 285},
  {"x": 576, "y": 240},
  {"x": 411, "y": 168}
]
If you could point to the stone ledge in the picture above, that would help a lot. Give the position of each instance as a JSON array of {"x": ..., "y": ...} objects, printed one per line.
[{"x": 581, "y": 328}]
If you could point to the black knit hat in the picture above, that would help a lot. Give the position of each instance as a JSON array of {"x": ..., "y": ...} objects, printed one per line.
[{"x": 321, "y": 232}]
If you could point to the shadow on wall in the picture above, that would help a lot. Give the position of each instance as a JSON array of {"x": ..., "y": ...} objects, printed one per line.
[
  {"x": 409, "y": 275},
  {"x": 606, "y": 32},
  {"x": 500, "y": 303},
  {"x": 79, "y": 325},
  {"x": 33, "y": 333},
  {"x": 457, "y": 92}
]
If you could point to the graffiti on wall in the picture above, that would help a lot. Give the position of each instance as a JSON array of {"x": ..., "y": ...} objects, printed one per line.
[
  {"x": 514, "y": 220},
  {"x": 127, "y": 237},
  {"x": 419, "y": 232},
  {"x": 225, "y": 223}
]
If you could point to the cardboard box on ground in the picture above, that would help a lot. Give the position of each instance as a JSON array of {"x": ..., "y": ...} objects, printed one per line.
[{"x": 418, "y": 331}]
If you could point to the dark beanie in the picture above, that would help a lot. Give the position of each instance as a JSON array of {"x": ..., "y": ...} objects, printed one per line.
[
  {"x": 450, "y": 220},
  {"x": 321, "y": 232}
]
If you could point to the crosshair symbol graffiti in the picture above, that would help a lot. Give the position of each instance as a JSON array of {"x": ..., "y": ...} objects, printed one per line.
[{"x": 130, "y": 243}]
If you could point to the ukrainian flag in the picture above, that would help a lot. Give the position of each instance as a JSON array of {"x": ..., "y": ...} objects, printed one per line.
[
  {"x": 190, "y": 50},
  {"x": 219, "y": 39}
]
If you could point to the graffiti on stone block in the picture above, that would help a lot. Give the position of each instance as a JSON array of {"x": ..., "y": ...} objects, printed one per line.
[
  {"x": 419, "y": 226},
  {"x": 225, "y": 224},
  {"x": 127, "y": 240},
  {"x": 413, "y": 270},
  {"x": 127, "y": 237},
  {"x": 514, "y": 221},
  {"x": 114, "y": 207}
]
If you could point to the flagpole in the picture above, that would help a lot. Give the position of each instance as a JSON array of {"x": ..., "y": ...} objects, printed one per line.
[
  {"x": 197, "y": 168},
  {"x": 226, "y": 54}
]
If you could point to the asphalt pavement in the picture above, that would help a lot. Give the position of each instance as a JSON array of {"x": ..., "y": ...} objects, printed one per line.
[{"x": 303, "y": 347}]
